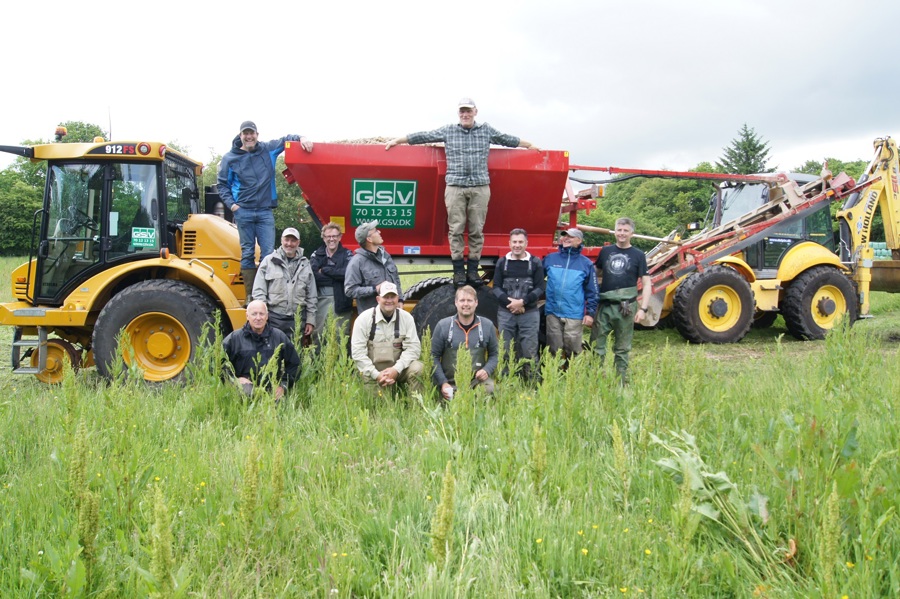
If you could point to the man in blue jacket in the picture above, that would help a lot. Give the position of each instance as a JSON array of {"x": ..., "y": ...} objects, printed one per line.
[
  {"x": 246, "y": 184},
  {"x": 571, "y": 294}
]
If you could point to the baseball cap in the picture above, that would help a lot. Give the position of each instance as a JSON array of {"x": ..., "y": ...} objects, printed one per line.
[
  {"x": 467, "y": 103},
  {"x": 291, "y": 231},
  {"x": 573, "y": 232},
  {"x": 387, "y": 288},
  {"x": 362, "y": 231},
  {"x": 248, "y": 125}
]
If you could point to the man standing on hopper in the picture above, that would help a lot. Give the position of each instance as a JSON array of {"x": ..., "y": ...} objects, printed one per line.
[
  {"x": 468, "y": 191},
  {"x": 621, "y": 266},
  {"x": 246, "y": 183}
]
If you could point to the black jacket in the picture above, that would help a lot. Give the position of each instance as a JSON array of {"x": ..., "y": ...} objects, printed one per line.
[
  {"x": 519, "y": 279},
  {"x": 249, "y": 352},
  {"x": 329, "y": 272}
]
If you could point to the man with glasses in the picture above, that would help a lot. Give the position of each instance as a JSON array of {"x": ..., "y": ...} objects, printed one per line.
[{"x": 329, "y": 264}]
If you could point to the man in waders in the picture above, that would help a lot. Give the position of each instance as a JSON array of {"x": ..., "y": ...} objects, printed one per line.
[
  {"x": 620, "y": 265},
  {"x": 385, "y": 345},
  {"x": 471, "y": 331}
]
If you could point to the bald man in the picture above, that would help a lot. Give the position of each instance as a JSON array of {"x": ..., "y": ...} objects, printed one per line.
[{"x": 252, "y": 346}]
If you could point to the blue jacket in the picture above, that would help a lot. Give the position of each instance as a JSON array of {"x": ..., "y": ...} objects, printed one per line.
[
  {"x": 571, "y": 284},
  {"x": 248, "y": 178}
]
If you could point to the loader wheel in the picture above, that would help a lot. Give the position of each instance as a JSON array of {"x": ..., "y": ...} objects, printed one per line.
[
  {"x": 713, "y": 306},
  {"x": 163, "y": 319},
  {"x": 440, "y": 303},
  {"x": 816, "y": 301},
  {"x": 59, "y": 352}
]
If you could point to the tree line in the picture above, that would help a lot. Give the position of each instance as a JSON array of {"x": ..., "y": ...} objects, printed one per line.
[{"x": 658, "y": 206}]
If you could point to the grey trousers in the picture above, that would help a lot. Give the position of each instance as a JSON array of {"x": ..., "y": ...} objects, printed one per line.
[
  {"x": 521, "y": 330},
  {"x": 565, "y": 334}
]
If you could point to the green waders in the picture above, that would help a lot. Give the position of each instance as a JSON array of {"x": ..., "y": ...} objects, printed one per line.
[{"x": 615, "y": 315}]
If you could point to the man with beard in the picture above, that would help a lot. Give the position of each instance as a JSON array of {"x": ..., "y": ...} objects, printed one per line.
[{"x": 465, "y": 329}]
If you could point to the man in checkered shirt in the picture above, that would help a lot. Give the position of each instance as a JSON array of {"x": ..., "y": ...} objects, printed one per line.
[{"x": 468, "y": 186}]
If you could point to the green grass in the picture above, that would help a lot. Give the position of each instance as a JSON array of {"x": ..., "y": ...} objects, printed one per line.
[{"x": 572, "y": 489}]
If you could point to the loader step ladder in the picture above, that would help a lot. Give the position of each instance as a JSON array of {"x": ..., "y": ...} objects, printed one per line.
[{"x": 38, "y": 344}]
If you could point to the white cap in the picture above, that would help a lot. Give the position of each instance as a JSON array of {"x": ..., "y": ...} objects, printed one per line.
[{"x": 387, "y": 288}]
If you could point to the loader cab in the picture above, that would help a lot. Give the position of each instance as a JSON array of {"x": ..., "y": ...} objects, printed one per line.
[
  {"x": 105, "y": 208},
  {"x": 732, "y": 201}
]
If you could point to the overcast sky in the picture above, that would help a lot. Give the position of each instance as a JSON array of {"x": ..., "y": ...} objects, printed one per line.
[{"x": 645, "y": 84}]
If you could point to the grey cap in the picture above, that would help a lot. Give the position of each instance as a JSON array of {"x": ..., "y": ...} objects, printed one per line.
[
  {"x": 573, "y": 232},
  {"x": 292, "y": 232},
  {"x": 362, "y": 231},
  {"x": 248, "y": 125},
  {"x": 386, "y": 288},
  {"x": 467, "y": 103}
]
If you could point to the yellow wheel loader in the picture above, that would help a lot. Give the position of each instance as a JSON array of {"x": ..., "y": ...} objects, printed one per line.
[{"x": 119, "y": 252}]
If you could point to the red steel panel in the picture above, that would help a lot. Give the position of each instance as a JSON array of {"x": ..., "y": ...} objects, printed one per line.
[{"x": 526, "y": 191}]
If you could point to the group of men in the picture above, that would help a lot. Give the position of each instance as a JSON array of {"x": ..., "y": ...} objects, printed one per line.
[{"x": 288, "y": 287}]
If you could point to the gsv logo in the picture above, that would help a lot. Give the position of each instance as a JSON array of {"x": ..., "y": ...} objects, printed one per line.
[{"x": 384, "y": 193}]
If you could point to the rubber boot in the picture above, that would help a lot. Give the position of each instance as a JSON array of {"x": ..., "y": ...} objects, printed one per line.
[
  {"x": 472, "y": 276},
  {"x": 249, "y": 275},
  {"x": 459, "y": 273}
]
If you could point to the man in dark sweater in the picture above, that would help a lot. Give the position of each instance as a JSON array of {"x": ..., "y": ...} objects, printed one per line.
[
  {"x": 329, "y": 265},
  {"x": 518, "y": 285},
  {"x": 252, "y": 346}
]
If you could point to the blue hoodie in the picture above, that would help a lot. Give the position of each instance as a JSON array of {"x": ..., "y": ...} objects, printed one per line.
[
  {"x": 571, "y": 284},
  {"x": 248, "y": 178}
]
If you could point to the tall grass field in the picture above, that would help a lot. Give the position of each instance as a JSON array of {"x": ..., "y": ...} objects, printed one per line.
[{"x": 767, "y": 468}]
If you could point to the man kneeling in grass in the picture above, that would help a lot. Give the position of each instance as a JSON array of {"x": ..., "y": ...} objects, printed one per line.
[
  {"x": 385, "y": 345},
  {"x": 250, "y": 348},
  {"x": 465, "y": 329}
]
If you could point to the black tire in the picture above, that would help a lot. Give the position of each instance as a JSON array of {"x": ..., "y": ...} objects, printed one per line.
[
  {"x": 763, "y": 320},
  {"x": 713, "y": 306},
  {"x": 816, "y": 300},
  {"x": 164, "y": 319},
  {"x": 424, "y": 287},
  {"x": 439, "y": 304}
]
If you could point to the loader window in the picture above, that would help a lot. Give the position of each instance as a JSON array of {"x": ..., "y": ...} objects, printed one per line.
[
  {"x": 134, "y": 210},
  {"x": 182, "y": 195},
  {"x": 73, "y": 224}
]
